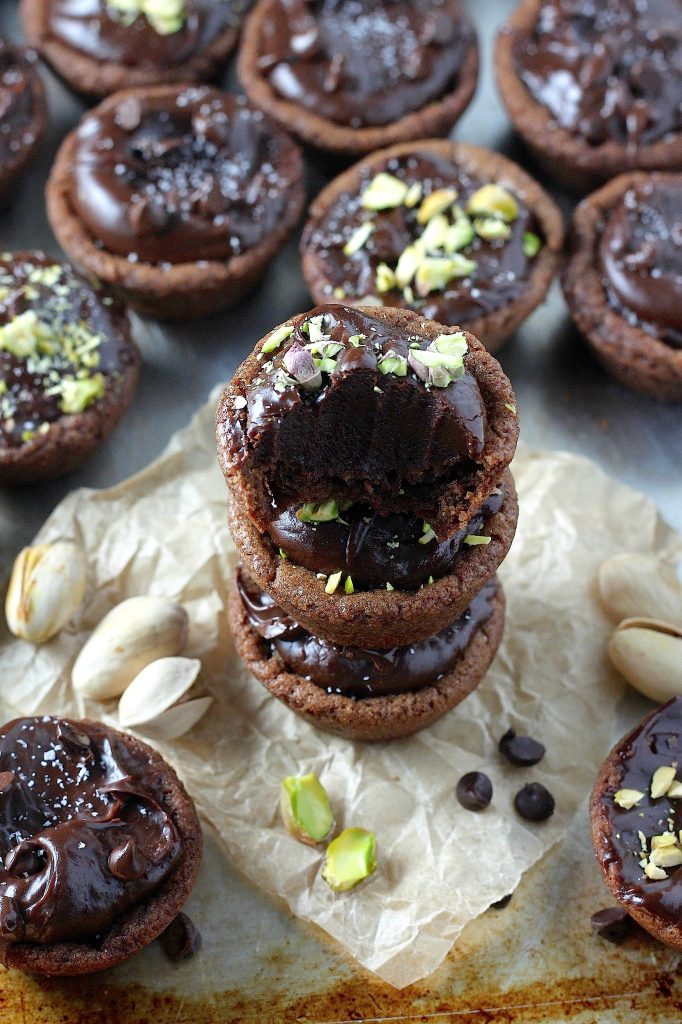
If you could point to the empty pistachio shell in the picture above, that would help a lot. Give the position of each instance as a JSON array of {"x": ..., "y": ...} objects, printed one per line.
[
  {"x": 640, "y": 584},
  {"x": 45, "y": 590},
  {"x": 350, "y": 858},
  {"x": 133, "y": 634},
  {"x": 649, "y": 654},
  {"x": 159, "y": 686},
  {"x": 305, "y": 808}
]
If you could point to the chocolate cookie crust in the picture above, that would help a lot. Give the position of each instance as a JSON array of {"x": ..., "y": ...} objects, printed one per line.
[
  {"x": 24, "y": 113},
  {"x": 572, "y": 160},
  {"x": 149, "y": 58},
  {"x": 436, "y": 117},
  {"x": 627, "y": 351},
  {"x": 374, "y": 718},
  {"x": 377, "y": 618},
  {"x": 482, "y": 166},
  {"x": 143, "y": 922},
  {"x": 195, "y": 287}
]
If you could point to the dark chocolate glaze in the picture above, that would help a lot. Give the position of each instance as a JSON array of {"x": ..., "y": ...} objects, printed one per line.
[
  {"x": 502, "y": 270},
  {"x": 346, "y": 431},
  {"x": 360, "y": 672},
  {"x": 27, "y": 398},
  {"x": 375, "y": 550},
  {"x": 655, "y": 742},
  {"x": 17, "y": 102},
  {"x": 641, "y": 258},
  {"x": 364, "y": 62},
  {"x": 607, "y": 70},
  {"x": 83, "y": 831},
  {"x": 197, "y": 175},
  {"x": 101, "y": 32}
]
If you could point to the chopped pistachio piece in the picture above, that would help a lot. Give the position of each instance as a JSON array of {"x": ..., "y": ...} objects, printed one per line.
[
  {"x": 666, "y": 857},
  {"x": 459, "y": 235},
  {"x": 393, "y": 362},
  {"x": 164, "y": 16},
  {"x": 452, "y": 344},
  {"x": 348, "y": 586},
  {"x": 315, "y": 329},
  {"x": 435, "y": 203},
  {"x": 358, "y": 239},
  {"x": 427, "y": 534},
  {"x": 339, "y": 293},
  {"x": 333, "y": 583},
  {"x": 408, "y": 263},
  {"x": 326, "y": 365},
  {"x": 323, "y": 513},
  {"x": 655, "y": 873},
  {"x": 389, "y": 586},
  {"x": 22, "y": 335},
  {"x": 283, "y": 555},
  {"x": 477, "y": 540},
  {"x": 385, "y": 278},
  {"x": 433, "y": 273},
  {"x": 674, "y": 790},
  {"x": 431, "y": 358},
  {"x": 305, "y": 808},
  {"x": 276, "y": 338},
  {"x": 661, "y": 781},
  {"x": 665, "y": 839},
  {"x": 77, "y": 395},
  {"x": 434, "y": 235},
  {"x": 351, "y": 858},
  {"x": 356, "y": 339},
  {"x": 511, "y": 407},
  {"x": 384, "y": 192},
  {"x": 628, "y": 798},
  {"x": 493, "y": 201},
  {"x": 414, "y": 194},
  {"x": 492, "y": 229},
  {"x": 531, "y": 244}
]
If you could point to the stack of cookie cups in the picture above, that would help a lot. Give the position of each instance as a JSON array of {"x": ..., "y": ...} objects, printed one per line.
[{"x": 366, "y": 453}]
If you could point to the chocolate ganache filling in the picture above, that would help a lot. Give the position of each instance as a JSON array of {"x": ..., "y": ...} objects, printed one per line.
[
  {"x": 641, "y": 258},
  {"x": 63, "y": 343},
  {"x": 364, "y": 415},
  {"x": 452, "y": 266},
  {"x": 628, "y": 846},
  {"x": 83, "y": 832},
  {"x": 375, "y": 550},
  {"x": 17, "y": 103},
  {"x": 607, "y": 70},
  {"x": 195, "y": 175},
  {"x": 107, "y": 32},
  {"x": 362, "y": 63},
  {"x": 360, "y": 672}
]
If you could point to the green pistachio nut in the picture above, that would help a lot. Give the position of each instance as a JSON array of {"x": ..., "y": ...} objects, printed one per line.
[
  {"x": 493, "y": 201},
  {"x": 408, "y": 263},
  {"x": 315, "y": 329},
  {"x": 435, "y": 234},
  {"x": 23, "y": 335},
  {"x": 385, "y": 278},
  {"x": 323, "y": 513},
  {"x": 435, "y": 203},
  {"x": 531, "y": 244},
  {"x": 358, "y": 239},
  {"x": 435, "y": 273},
  {"x": 276, "y": 338},
  {"x": 452, "y": 344},
  {"x": 393, "y": 362},
  {"x": 476, "y": 540},
  {"x": 459, "y": 235},
  {"x": 77, "y": 395},
  {"x": 306, "y": 809},
  {"x": 333, "y": 582},
  {"x": 348, "y": 586},
  {"x": 384, "y": 192},
  {"x": 492, "y": 229},
  {"x": 413, "y": 195},
  {"x": 351, "y": 858}
]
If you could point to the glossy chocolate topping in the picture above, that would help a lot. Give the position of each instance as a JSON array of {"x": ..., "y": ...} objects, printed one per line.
[
  {"x": 364, "y": 62},
  {"x": 502, "y": 266},
  {"x": 641, "y": 257},
  {"x": 360, "y": 672},
  {"x": 194, "y": 174},
  {"x": 63, "y": 343},
  {"x": 607, "y": 70},
  {"x": 83, "y": 831},
  {"x": 655, "y": 743},
  {"x": 17, "y": 102},
  {"x": 101, "y": 31},
  {"x": 375, "y": 550},
  {"x": 360, "y": 424}
]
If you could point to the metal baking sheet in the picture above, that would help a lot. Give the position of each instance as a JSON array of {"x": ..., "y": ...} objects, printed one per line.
[{"x": 534, "y": 961}]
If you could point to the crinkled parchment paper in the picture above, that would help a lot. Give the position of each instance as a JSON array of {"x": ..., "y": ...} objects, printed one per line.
[{"x": 164, "y": 532}]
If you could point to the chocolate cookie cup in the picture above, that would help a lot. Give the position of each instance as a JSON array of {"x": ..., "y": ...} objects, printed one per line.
[
  {"x": 349, "y": 77},
  {"x": 24, "y": 113},
  {"x": 622, "y": 281},
  {"x": 366, "y": 404},
  {"x": 101, "y": 46},
  {"x": 594, "y": 89},
  {"x": 375, "y": 718},
  {"x": 68, "y": 367},
  {"x": 377, "y": 617},
  {"x": 636, "y": 817},
  {"x": 457, "y": 233},
  {"x": 99, "y": 857},
  {"x": 178, "y": 197}
]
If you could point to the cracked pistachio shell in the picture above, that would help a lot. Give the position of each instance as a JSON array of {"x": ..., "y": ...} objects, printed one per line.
[
  {"x": 46, "y": 589},
  {"x": 305, "y": 808},
  {"x": 176, "y": 721},
  {"x": 132, "y": 635},
  {"x": 634, "y": 584},
  {"x": 649, "y": 654},
  {"x": 159, "y": 686},
  {"x": 350, "y": 859}
]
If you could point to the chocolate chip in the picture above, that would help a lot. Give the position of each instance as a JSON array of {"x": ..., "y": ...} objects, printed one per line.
[
  {"x": 613, "y": 924},
  {"x": 181, "y": 939},
  {"x": 521, "y": 750},
  {"x": 534, "y": 802},
  {"x": 501, "y": 904},
  {"x": 475, "y": 791}
]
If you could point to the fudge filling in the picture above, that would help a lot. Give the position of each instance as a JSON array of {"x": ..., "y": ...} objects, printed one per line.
[
  {"x": 644, "y": 812},
  {"x": 197, "y": 175},
  {"x": 142, "y": 33},
  {"x": 362, "y": 63},
  {"x": 424, "y": 234},
  {"x": 63, "y": 343},
  {"x": 374, "y": 550},
  {"x": 83, "y": 832},
  {"x": 607, "y": 70},
  {"x": 17, "y": 103},
  {"x": 360, "y": 672},
  {"x": 641, "y": 258}
]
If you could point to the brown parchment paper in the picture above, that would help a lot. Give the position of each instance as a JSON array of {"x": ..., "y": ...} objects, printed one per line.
[{"x": 164, "y": 532}]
